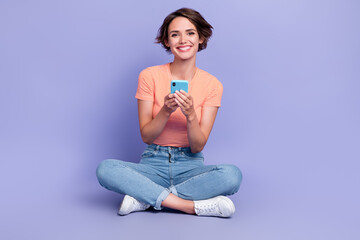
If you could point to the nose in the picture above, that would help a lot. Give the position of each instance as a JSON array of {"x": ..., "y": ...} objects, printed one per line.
[{"x": 183, "y": 38}]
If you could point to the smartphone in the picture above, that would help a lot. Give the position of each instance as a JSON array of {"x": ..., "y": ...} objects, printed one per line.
[{"x": 179, "y": 85}]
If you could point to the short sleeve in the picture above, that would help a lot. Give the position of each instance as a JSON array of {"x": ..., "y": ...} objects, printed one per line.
[
  {"x": 145, "y": 90},
  {"x": 214, "y": 94}
]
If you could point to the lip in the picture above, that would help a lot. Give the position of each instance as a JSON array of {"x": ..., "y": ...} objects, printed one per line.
[{"x": 184, "y": 48}]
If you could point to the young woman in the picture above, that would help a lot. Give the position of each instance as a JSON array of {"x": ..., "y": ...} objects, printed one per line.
[{"x": 176, "y": 127}]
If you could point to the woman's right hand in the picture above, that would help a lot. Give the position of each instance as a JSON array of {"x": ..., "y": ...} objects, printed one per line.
[{"x": 169, "y": 103}]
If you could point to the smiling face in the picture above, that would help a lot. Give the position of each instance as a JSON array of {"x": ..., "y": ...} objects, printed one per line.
[{"x": 183, "y": 39}]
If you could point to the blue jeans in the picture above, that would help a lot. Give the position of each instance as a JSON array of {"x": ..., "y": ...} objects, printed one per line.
[{"x": 163, "y": 170}]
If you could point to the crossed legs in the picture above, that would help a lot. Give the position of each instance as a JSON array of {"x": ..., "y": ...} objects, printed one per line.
[{"x": 141, "y": 182}]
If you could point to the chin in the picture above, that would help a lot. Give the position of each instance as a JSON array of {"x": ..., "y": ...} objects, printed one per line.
[{"x": 184, "y": 57}]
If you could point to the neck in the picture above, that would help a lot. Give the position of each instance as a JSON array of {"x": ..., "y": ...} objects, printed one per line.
[{"x": 183, "y": 69}]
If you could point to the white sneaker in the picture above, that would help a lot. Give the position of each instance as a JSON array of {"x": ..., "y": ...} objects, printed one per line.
[
  {"x": 130, "y": 204},
  {"x": 219, "y": 206}
]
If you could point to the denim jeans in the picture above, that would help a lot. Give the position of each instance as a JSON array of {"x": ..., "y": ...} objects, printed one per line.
[{"x": 163, "y": 170}]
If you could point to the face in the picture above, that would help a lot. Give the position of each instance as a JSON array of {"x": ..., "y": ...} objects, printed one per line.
[{"x": 183, "y": 38}]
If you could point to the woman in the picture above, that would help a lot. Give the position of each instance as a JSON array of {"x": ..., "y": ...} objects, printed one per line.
[{"x": 176, "y": 127}]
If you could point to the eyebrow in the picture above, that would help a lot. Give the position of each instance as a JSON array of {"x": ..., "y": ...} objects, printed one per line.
[{"x": 187, "y": 30}]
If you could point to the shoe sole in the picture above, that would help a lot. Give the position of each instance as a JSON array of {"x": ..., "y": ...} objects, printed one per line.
[
  {"x": 122, "y": 208},
  {"x": 230, "y": 203}
]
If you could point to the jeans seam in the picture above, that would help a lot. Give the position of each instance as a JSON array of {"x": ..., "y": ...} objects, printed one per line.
[
  {"x": 194, "y": 177},
  {"x": 164, "y": 189},
  {"x": 163, "y": 195}
]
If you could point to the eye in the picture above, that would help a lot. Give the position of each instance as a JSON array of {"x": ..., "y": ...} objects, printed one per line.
[
  {"x": 191, "y": 33},
  {"x": 173, "y": 35}
]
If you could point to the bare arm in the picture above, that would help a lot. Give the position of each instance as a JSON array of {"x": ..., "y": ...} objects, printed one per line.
[
  {"x": 151, "y": 128},
  {"x": 198, "y": 134}
]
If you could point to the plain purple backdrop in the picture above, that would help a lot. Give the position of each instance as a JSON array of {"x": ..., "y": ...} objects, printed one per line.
[{"x": 289, "y": 118}]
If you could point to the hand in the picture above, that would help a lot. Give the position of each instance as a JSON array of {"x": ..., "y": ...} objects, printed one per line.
[
  {"x": 185, "y": 102},
  {"x": 169, "y": 103}
]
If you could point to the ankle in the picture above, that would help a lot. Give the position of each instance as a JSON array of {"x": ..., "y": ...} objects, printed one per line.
[
  {"x": 174, "y": 202},
  {"x": 191, "y": 209}
]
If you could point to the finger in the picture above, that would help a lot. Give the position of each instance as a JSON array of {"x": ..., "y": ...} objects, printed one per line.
[
  {"x": 185, "y": 93},
  {"x": 182, "y": 101},
  {"x": 180, "y": 93},
  {"x": 188, "y": 96},
  {"x": 171, "y": 101},
  {"x": 182, "y": 96},
  {"x": 179, "y": 104}
]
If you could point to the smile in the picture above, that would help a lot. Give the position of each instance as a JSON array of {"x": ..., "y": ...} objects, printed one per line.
[{"x": 184, "y": 48}]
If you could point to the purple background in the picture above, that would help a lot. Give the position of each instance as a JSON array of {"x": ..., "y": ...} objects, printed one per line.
[{"x": 289, "y": 117}]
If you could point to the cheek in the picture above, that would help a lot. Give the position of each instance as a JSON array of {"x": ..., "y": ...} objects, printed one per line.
[
  {"x": 195, "y": 40},
  {"x": 172, "y": 42}
]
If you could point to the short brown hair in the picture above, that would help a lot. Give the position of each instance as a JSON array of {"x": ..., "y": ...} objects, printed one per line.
[{"x": 203, "y": 28}]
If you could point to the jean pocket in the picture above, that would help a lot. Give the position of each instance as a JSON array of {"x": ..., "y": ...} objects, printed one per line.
[
  {"x": 194, "y": 156},
  {"x": 147, "y": 154}
]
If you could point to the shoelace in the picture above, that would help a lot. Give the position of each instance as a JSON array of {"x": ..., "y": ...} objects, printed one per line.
[
  {"x": 139, "y": 204},
  {"x": 210, "y": 208}
]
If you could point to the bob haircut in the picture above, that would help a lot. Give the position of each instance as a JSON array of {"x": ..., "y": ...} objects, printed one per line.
[{"x": 203, "y": 28}]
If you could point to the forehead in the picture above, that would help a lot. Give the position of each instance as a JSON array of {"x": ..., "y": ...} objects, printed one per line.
[{"x": 181, "y": 23}]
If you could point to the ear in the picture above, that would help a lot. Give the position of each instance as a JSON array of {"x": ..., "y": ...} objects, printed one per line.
[
  {"x": 201, "y": 40},
  {"x": 166, "y": 43}
]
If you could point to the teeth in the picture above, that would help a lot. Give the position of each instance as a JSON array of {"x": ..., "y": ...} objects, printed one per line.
[{"x": 184, "y": 48}]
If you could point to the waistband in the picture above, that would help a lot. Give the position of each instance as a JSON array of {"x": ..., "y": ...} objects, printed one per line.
[{"x": 169, "y": 148}]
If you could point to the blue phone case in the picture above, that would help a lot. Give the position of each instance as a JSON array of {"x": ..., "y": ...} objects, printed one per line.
[{"x": 179, "y": 85}]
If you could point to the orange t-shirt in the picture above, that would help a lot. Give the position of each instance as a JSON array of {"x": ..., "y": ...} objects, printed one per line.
[{"x": 154, "y": 85}]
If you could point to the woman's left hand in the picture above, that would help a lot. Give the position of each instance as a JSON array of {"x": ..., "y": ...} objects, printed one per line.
[{"x": 185, "y": 102}]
